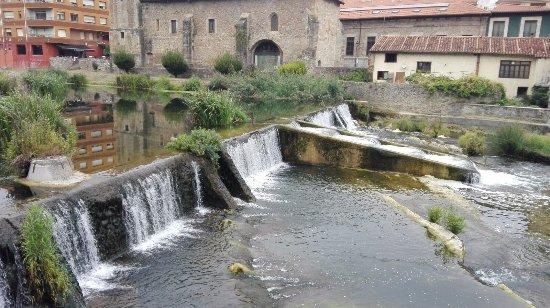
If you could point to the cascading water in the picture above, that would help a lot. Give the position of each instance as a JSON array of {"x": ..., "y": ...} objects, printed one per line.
[
  {"x": 338, "y": 116},
  {"x": 74, "y": 236},
  {"x": 258, "y": 154},
  {"x": 198, "y": 189},
  {"x": 150, "y": 204},
  {"x": 4, "y": 297}
]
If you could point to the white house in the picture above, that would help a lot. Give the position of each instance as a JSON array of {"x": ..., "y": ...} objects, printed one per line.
[{"x": 517, "y": 63}]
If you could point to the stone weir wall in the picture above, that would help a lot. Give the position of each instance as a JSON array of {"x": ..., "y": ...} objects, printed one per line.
[{"x": 303, "y": 147}]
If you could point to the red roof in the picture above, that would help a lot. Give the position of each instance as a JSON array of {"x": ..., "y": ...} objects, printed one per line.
[
  {"x": 380, "y": 9},
  {"x": 520, "y": 46},
  {"x": 511, "y": 8}
]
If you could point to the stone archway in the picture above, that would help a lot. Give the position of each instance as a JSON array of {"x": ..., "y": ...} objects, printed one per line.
[{"x": 267, "y": 55}]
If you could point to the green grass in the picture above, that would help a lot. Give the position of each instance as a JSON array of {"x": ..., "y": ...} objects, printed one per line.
[
  {"x": 48, "y": 82},
  {"x": 8, "y": 84},
  {"x": 472, "y": 143},
  {"x": 435, "y": 213},
  {"x": 200, "y": 142},
  {"x": 436, "y": 128},
  {"x": 454, "y": 222},
  {"x": 193, "y": 84},
  {"x": 294, "y": 67},
  {"x": 539, "y": 144},
  {"x": 357, "y": 75},
  {"x": 135, "y": 83},
  {"x": 47, "y": 276},
  {"x": 465, "y": 87},
  {"x": 78, "y": 82},
  {"x": 408, "y": 124},
  {"x": 213, "y": 110}
]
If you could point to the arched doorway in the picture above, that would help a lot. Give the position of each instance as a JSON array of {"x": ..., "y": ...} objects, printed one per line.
[{"x": 267, "y": 55}]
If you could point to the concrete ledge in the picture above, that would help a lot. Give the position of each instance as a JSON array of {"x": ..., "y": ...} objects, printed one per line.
[
  {"x": 55, "y": 171},
  {"x": 305, "y": 147}
]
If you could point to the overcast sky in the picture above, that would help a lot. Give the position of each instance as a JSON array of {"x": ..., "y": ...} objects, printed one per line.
[{"x": 484, "y": 2}]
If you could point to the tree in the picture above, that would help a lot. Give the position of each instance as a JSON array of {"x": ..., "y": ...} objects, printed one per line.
[
  {"x": 174, "y": 63},
  {"x": 228, "y": 64},
  {"x": 124, "y": 60}
]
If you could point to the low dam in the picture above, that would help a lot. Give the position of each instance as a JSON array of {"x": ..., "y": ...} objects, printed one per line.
[{"x": 302, "y": 205}]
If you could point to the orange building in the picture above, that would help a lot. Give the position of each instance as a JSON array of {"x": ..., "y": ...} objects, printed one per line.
[{"x": 32, "y": 31}]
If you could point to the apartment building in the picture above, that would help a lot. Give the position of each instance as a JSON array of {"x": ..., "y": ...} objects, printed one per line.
[
  {"x": 32, "y": 31},
  {"x": 515, "y": 18}
]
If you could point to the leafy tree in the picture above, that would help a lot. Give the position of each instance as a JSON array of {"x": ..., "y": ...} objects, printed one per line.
[
  {"x": 174, "y": 63},
  {"x": 124, "y": 60}
]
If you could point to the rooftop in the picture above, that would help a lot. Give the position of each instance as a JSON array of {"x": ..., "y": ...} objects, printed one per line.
[
  {"x": 511, "y": 8},
  {"x": 381, "y": 9},
  {"x": 532, "y": 47}
]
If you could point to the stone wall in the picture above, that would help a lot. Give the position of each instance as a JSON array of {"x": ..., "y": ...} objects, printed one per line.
[
  {"x": 87, "y": 64},
  {"x": 413, "y": 99}
]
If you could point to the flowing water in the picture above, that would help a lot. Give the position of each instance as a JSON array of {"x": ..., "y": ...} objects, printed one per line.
[
  {"x": 5, "y": 300},
  {"x": 198, "y": 189}
]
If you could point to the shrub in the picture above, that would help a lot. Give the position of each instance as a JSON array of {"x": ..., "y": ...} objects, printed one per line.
[
  {"x": 363, "y": 112},
  {"x": 32, "y": 125},
  {"x": 174, "y": 62},
  {"x": 218, "y": 83},
  {"x": 78, "y": 81},
  {"x": 213, "y": 110},
  {"x": 7, "y": 84},
  {"x": 200, "y": 142},
  {"x": 125, "y": 106},
  {"x": 95, "y": 66},
  {"x": 472, "y": 143},
  {"x": 294, "y": 67},
  {"x": 436, "y": 128},
  {"x": 164, "y": 84},
  {"x": 465, "y": 87},
  {"x": 135, "y": 83},
  {"x": 509, "y": 140},
  {"x": 407, "y": 124},
  {"x": 435, "y": 213},
  {"x": 358, "y": 75},
  {"x": 47, "y": 275},
  {"x": 192, "y": 84},
  {"x": 454, "y": 222},
  {"x": 540, "y": 96},
  {"x": 228, "y": 64},
  {"x": 539, "y": 144},
  {"x": 124, "y": 60},
  {"x": 48, "y": 82}
]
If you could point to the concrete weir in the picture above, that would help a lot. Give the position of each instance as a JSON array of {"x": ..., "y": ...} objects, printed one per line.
[{"x": 302, "y": 146}]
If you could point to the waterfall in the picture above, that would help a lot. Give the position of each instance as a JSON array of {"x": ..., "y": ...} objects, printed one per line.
[
  {"x": 338, "y": 116},
  {"x": 4, "y": 288},
  {"x": 198, "y": 191},
  {"x": 258, "y": 154},
  {"x": 74, "y": 236},
  {"x": 150, "y": 204}
]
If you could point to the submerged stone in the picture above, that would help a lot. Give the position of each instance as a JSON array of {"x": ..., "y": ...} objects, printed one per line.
[{"x": 238, "y": 269}]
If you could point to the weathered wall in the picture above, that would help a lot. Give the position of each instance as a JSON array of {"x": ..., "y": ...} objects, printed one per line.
[
  {"x": 69, "y": 63},
  {"x": 302, "y": 147}
]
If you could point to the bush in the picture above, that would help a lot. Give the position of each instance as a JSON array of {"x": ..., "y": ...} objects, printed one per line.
[
  {"x": 212, "y": 110},
  {"x": 228, "y": 64},
  {"x": 363, "y": 112},
  {"x": 358, "y": 75},
  {"x": 135, "y": 83},
  {"x": 48, "y": 82},
  {"x": 125, "y": 106},
  {"x": 436, "y": 128},
  {"x": 200, "y": 142},
  {"x": 407, "y": 124},
  {"x": 192, "y": 84},
  {"x": 294, "y": 67},
  {"x": 454, "y": 222},
  {"x": 435, "y": 213},
  {"x": 540, "y": 96},
  {"x": 218, "y": 83},
  {"x": 47, "y": 275},
  {"x": 472, "y": 143},
  {"x": 509, "y": 140},
  {"x": 539, "y": 144},
  {"x": 174, "y": 63},
  {"x": 32, "y": 125},
  {"x": 163, "y": 84},
  {"x": 124, "y": 60},
  {"x": 8, "y": 84},
  {"x": 78, "y": 81},
  {"x": 465, "y": 87}
]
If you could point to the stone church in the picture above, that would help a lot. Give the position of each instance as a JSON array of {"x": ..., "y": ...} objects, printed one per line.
[{"x": 264, "y": 33}]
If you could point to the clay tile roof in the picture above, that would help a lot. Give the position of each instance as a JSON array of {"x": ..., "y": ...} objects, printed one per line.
[
  {"x": 511, "y": 8},
  {"x": 520, "y": 46},
  {"x": 381, "y": 9}
]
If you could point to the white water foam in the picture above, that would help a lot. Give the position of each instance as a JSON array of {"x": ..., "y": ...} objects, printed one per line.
[
  {"x": 4, "y": 298},
  {"x": 338, "y": 116},
  {"x": 493, "y": 278},
  {"x": 492, "y": 178},
  {"x": 167, "y": 237},
  {"x": 198, "y": 190},
  {"x": 97, "y": 280}
]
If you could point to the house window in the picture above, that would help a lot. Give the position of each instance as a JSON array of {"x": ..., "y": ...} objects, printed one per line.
[
  {"x": 350, "y": 46},
  {"x": 87, "y": 2},
  {"x": 81, "y": 135},
  {"x": 522, "y": 91},
  {"x": 211, "y": 26},
  {"x": 97, "y": 148},
  {"x": 20, "y": 32},
  {"x": 108, "y": 132},
  {"x": 82, "y": 151},
  {"x": 95, "y": 134},
  {"x": 498, "y": 27},
  {"x": 370, "y": 42},
  {"x": 390, "y": 58},
  {"x": 109, "y": 146},
  {"x": 37, "y": 50},
  {"x": 530, "y": 26},
  {"x": 102, "y": 5},
  {"x": 9, "y": 15},
  {"x": 173, "y": 26},
  {"x": 21, "y": 49},
  {"x": 7, "y": 31},
  {"x": 62, "y": 33},
  {"x": 97, "y": 162},
  {"x": 382, "y": 75},
  {"x": 514, "y": 69},
  {"x": 102, "y": 20},
  {"x": 40, "y": 15},
  {"x": 274, "y": 22},
  {"x": 82, "y": 165},
  {"x": 424, "y": 67},
  {"x": 89, "y": 19},
  {"x": 122, "y": 34},
  {"x": 74, "y": 17},
  {"x": 90, "y": 36},
  {"x": 61, "y": 15}
]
